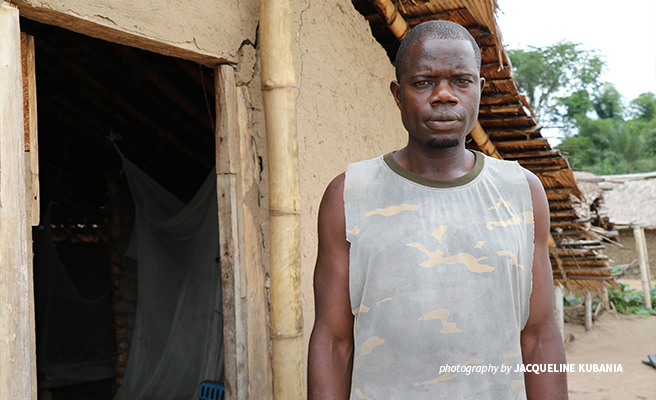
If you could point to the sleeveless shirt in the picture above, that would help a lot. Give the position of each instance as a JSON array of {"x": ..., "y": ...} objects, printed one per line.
[{"x": 440, "y": 280}]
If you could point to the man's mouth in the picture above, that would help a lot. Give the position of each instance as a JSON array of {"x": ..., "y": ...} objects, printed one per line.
[{"x": 443, "y": 121}]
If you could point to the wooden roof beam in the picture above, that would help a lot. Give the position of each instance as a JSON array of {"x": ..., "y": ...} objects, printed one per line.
[
  {"x": 483, "y": 141},
  {"x": 395, "y": 21},
  {"x": 535, "y": 144}
]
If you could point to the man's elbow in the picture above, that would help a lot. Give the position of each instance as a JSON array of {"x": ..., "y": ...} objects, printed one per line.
[{"x": 542, "y": 343}]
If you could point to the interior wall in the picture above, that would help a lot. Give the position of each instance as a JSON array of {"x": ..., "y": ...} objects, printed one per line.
[{"x": 205, "y": 31}]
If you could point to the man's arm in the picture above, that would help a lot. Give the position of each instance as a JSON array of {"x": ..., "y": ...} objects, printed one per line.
[
  {"x": 330, "y": 357},
  {"x": 541, "y": 340}
]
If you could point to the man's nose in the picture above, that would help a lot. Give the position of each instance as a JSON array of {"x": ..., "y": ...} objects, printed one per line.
[{"x": 443, "y": 93}]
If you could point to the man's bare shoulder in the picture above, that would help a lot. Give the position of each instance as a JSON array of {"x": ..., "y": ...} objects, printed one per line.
[{"x": 333, "y": 197}]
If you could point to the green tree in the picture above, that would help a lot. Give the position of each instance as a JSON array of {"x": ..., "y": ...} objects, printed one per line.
[
  {"x": 561, "y": 83},
  {"x": 644, "y": 107},
  {"x": 607, "y": 102},
  {"x": 607, "y": 146},
  {"x": 544, "y": 74}
]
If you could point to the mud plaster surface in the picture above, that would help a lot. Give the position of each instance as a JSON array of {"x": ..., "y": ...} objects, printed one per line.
[{"x": 345, "y": 110}]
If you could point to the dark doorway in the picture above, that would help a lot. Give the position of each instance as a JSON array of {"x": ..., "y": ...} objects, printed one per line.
[{"x": 94, "y": 97}]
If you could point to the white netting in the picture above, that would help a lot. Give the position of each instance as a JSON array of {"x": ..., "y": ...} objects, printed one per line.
[
  {"x": 178, "y": 339},
  {"x": 74, "y": 339}
]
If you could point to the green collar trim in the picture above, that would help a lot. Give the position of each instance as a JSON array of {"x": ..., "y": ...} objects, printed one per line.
[{"x": 437, "y": 183}]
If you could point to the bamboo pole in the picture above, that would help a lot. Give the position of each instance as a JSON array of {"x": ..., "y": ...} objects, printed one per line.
[
  {"x": 17, "y": 347},
  {"x": 641, "y": 246},
  {"x": 278, "y": 91}
]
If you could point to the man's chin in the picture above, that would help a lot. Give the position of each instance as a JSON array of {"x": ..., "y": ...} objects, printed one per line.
[{"x": 443, "y": 143}]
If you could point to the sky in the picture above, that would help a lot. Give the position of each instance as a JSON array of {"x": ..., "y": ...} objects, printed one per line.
[{"x": 624, "y": 32}]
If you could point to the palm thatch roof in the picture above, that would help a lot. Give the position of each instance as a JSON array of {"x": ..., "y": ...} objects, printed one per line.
[
  {"x": 507, "y": 128},
  {"x": 625, "y": 200}
]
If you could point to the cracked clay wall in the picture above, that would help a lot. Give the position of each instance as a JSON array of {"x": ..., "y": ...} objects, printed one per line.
[{"x": 346, "y": 112}]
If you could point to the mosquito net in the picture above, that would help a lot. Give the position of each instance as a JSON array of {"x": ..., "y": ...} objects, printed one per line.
[
  {"x": 74, "y": 334},
  {"x": 177, "y": 340}
]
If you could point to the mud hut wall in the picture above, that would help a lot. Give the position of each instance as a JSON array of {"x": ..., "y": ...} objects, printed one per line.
[
  {"x": 206, "y": 31},
  {"x": 346, "y": 112},
  {"x": 628, "y": 252}
]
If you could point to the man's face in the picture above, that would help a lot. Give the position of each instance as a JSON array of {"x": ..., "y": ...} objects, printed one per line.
[{"x": 439, "y": 92}]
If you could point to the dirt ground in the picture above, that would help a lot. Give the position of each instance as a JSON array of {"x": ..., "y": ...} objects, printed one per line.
[{"x": 621, "y": 339}]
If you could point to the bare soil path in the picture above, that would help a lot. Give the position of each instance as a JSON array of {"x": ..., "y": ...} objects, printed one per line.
[{"x": 625, "y": 340}]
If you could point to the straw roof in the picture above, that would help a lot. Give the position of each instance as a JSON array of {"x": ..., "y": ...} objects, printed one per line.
[
  {"x": 626, "y": 200},
  {"x": 507, "y": 128}
]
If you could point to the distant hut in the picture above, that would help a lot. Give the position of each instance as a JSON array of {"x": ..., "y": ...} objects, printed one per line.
[{"x": 620, "y": 203}]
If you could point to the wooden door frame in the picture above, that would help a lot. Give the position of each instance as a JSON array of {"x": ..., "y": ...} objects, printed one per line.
[
  {"x": 245, "y": 305},
  {"x": 17, "y": 323}
]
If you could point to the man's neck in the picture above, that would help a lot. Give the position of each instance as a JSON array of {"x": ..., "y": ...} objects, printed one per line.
[{"x": 437, "y": 164}]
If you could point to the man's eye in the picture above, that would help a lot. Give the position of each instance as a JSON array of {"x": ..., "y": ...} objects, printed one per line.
[
  {"x": 463, "y": 82},
  {"x": 422, "y": 83}
]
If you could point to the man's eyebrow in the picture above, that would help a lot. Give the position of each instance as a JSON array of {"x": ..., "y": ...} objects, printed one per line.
[
  {"x": 422, "y": 76},
  {"x": 460, "y": 75}
]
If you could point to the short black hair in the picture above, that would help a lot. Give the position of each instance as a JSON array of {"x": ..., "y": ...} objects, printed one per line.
[{"x": 437, "y": 29}]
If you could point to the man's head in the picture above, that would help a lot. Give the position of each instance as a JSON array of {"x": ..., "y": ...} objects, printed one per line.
[
  {"x": 438, "y": 29},
  {"x": 439, "y": 85}
]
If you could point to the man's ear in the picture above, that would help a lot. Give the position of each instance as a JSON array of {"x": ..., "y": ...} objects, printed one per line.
[
  {"x": 482, "y": 84},
  {"x": 395, "y": 88}
]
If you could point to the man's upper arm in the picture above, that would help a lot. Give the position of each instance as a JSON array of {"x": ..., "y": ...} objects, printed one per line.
[
  {"x": 330, "y": 356},
  {"x": 541, "y": 340},
  {"x": 331, "y": 274},
  {"x": 541, "y": 302}
]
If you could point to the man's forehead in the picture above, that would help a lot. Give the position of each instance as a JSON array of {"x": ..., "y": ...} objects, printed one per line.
[
  {"x": 435, "y": 52},
  {"x": 429, "y": 44}
]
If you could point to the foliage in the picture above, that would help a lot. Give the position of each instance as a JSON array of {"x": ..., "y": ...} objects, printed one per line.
[
  {"x": 603, "y": 134},
  {"x": 564, "y": 68},
  {"x": 625, "y": 300},
  {"x": 644, "y": 107},
  {"x": 612, "y": 146},
  {"x": 571, "y": 299},
  {"x": 607, "y": 102},
  {"x": 631, "y": 301}
]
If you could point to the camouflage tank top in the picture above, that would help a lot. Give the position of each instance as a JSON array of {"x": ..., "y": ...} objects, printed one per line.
[{"x": 440, "y": 280}]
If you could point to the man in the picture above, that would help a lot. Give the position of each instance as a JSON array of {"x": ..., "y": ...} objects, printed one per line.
[{"x": 439, "y": 253}]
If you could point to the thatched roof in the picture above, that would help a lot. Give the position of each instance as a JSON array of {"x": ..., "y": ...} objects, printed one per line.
[
  {"x": 626, "y": 200},
  {"x": 508, "y": 127}
]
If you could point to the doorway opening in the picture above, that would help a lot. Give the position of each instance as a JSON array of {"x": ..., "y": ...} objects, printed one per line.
[{"x": 96, "y": 99}]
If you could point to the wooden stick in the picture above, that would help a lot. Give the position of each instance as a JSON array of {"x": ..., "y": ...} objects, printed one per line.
[
  {"x": 483, "y": 141},
  {"x": 559, "y": 309},
  {"x": 395, "y": 21},
  {"x": 588, "y": 310},
  {"x": 30, "y": 123},
  {"x": 114, "y": 219},
  {"x": 641, "y": 246}
]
